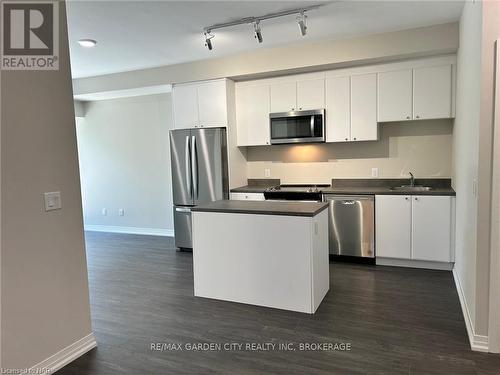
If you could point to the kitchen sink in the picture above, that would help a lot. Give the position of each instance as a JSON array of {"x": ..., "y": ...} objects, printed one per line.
[{"x": 412, "y": 188}]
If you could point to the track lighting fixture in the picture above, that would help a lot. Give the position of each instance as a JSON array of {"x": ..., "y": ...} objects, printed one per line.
[
  {"x": 301, "y": 20},
  {"x": 257, "y": 31},
  {"x": 208, "y": 39}
]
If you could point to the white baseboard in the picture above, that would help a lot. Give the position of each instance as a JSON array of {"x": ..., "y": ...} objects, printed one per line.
[
  {"x": 478, "y": 343},
  {"x": 130, "y": 230},
  {"x": 65, "y": 356},
  {"x": 414, "y": 264}
]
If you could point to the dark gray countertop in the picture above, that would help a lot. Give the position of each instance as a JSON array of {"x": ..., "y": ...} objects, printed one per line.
[
  {"x": 440, "y": 186},
  {"x": 251, "y": 189},
  {"x": 257, "y": 185},
  {"x": 286, "y": 208},
  {"x": 385, "y": 191}
]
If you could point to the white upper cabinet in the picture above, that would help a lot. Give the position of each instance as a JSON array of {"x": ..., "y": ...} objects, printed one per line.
[
  {"x": 395, "y": 95},
  {"x": 298, "y": 95},
  {"x": 431, "y": 228},
  {"x": 393, "y": 226},
  {"x": 252, "y": 115},
  {"x": 284, "y": 97},
  {"x": 185, "y": 104},
  {"x": 432, "y": 92},
  {"x": 311, "y": 94},
  {"x": 338, "y": 109},
  {"x": 356, "y": 99},
  {"x": 364, "y": 125},
  {"x": 200, "y": 104},
  {"x": 212, "y": 103}
]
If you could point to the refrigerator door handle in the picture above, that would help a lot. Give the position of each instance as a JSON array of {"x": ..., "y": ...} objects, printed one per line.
[
  {"x": 188, "y": 167},
  {"x": 194, "y": 167}
]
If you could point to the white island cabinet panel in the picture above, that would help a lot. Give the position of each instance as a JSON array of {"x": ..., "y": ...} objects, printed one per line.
[
  {"x": 267, "y": 260},
  {"x": 431, "y": 228}
]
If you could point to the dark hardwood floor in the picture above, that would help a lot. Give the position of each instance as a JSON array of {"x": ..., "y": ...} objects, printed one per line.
[{"x": 397, "y": 321}]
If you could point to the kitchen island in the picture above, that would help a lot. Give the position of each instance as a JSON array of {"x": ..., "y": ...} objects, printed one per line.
[{"x": 272, "y": 254}]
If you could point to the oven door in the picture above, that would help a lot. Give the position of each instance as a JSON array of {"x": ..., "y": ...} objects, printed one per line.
[{"x": 297, "y": 127}]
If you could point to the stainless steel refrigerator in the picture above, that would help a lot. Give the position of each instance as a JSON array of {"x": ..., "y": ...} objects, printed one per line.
[{"x": 199, "y": 174}]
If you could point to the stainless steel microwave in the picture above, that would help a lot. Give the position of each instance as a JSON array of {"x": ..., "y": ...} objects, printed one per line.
[{"x": 297, "y": 126}]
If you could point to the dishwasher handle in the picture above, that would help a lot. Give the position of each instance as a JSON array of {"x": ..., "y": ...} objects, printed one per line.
[
  {"x": 349, "y": 202},
  {"x": 347, "y": 198}
]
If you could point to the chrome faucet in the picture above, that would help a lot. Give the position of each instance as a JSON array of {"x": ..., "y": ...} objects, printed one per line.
[{"x": 412, "y": 179}]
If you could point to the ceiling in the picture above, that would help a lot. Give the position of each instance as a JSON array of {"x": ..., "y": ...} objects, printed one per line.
[{"x": 142, "y": 34}]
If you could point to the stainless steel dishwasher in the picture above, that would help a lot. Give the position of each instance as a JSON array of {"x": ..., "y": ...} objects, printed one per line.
[{"x": 351, "y": 221}]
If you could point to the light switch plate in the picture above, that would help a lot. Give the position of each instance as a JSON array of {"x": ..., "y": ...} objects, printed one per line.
[
  {"x": 375, "y": 172},
  {"x": 121, "y": 212},
  {"x": 52, "y": 200},
  {"x": 267, "y": 172}
]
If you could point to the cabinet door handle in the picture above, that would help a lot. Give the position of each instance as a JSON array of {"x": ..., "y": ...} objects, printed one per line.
[
  {"x": 417, "y": 116},
  {"x": 407, "y": 117},
  {"x": 346, "y": 139},
  {"x": 416, "y": 198},
  {"x": 406, "y": 198}
]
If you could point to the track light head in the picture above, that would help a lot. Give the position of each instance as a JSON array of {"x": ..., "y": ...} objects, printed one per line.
[
  {"x": 257, "y": 31},
  {"x": 301, "y": 21},
  {"x": 208, "y": 39}
]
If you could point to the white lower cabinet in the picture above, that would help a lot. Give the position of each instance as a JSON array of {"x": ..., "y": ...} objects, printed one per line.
[
  {"x": 415, "y": 227},
  {"x": 392, "y": 226},
  {"x": 246, "y": 196},
  {"x": 431, "y": 228}
]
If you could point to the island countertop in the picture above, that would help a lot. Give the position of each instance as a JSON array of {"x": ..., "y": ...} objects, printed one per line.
[{"x": 285, "y": 208}]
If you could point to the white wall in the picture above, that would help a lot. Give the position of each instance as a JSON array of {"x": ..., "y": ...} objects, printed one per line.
[
  {"x": 123, "y": 146},
  {"x": 422, "y": 147},
  {"x": 473, "y": 154},
  {"x": 494, "y": 317},
  {"x": 466, "y": 149},
  {"x": 490, "y": 33},
  {"x": 44, "y": 287}
]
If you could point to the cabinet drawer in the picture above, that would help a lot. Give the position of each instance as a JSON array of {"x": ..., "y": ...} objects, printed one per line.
[{"x": 246, "y": 196}]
